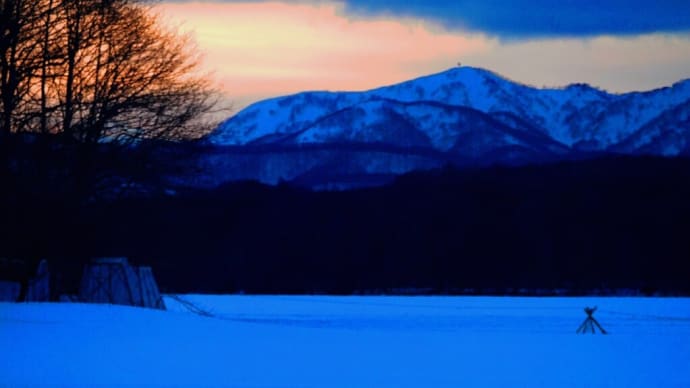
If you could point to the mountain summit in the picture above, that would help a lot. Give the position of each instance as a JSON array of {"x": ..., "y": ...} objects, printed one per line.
[{"x": 462, "y": 115}]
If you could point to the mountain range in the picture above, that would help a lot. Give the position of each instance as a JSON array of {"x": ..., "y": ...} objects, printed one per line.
[{"x": 462, "y": 116}]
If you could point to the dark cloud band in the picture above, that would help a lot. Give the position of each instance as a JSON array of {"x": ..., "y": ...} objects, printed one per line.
[
  {"x": 530, "y": 18},
  {"x": 515, "y": 18}
]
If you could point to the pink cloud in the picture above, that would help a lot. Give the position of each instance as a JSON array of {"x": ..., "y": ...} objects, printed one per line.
[
  {"x": 263, "y": 49},
  {"x": 274, "y": 48}
]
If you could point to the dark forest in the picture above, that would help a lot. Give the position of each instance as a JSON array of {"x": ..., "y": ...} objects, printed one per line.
[{"x": 608, "y": 225}]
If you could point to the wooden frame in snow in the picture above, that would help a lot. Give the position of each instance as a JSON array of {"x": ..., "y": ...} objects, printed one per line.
[{"x": 113, "y": 280}]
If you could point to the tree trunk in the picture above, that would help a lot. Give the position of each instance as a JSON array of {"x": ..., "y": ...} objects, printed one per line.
[
  {"x": 73, "y": 46},
  {"x": 44, "y": 68}
]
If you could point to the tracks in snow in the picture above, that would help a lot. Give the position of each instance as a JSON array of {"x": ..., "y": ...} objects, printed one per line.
[{"x": 191, "y": 306}]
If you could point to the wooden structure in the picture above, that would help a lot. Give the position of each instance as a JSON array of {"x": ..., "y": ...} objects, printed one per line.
[
  {"x": 590, "y": 322},
  {"x": 113, "y": 280},
  {"x": 19, "y": 283},
  {"x": 39, "y": 286},
  {"x": 104, "y": 280}
]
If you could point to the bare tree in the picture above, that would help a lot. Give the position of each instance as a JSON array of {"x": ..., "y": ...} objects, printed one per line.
[
  {"x": 19, "y": 20},
  {"x": 141, "y": 84},
  {"x": 98, "y": 72},
  {"x": 103, "y": 69}
]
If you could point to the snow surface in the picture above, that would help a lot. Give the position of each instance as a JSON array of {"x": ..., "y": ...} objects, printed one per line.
[{"x": 315, "y": 341}]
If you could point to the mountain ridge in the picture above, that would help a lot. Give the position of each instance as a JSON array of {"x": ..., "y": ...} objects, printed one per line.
[
  {"x": 551, "y": 109},
  {"x": 473, "y": 113}
]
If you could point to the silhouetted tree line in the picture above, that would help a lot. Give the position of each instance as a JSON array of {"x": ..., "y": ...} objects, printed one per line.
[
  {"x": 607, "y": 224},
  {"x": 91, "y": 72}
]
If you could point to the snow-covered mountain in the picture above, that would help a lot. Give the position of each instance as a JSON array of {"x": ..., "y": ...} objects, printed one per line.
[{"x": 464, "y": 114}]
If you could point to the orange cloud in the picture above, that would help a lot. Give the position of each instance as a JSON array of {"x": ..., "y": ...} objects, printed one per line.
[
  {"x": 272, "y": 48},
  {"x": 264, "y": 49}
]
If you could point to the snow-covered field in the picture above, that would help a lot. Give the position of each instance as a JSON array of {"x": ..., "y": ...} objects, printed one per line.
[{"x": 314, "y": 341}]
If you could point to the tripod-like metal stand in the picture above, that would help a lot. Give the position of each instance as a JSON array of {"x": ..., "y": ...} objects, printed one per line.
[{"x": 588, "y": 324}]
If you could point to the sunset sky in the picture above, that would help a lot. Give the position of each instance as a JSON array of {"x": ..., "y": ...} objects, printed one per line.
[{"x": 259, "y": 49}]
